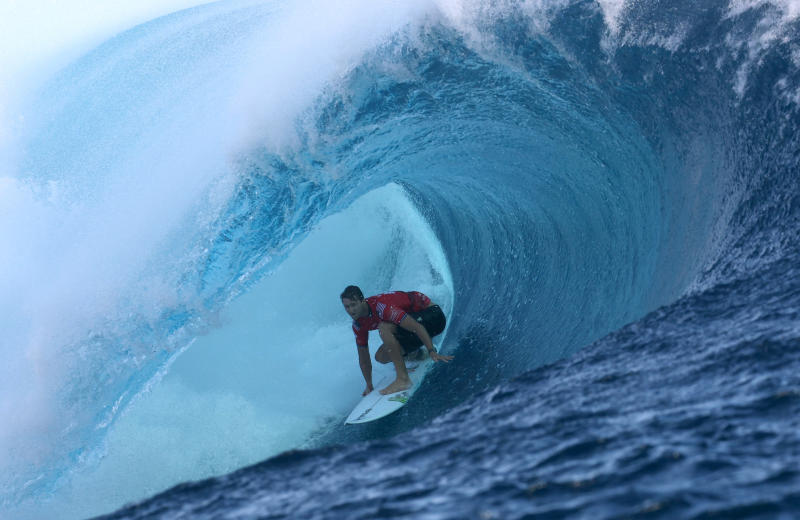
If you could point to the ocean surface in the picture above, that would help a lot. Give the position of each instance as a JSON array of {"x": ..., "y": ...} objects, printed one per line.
[{"x": 604, "y": 196}]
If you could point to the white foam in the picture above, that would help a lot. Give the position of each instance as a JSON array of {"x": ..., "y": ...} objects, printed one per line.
[
  {"x": 789, "y": 9},
  {"x": 77, "y": 258},
  {"x": 612, "y": 10},
  {"x": 773, "y": 28},
  {"x": 468, "y": 15}
]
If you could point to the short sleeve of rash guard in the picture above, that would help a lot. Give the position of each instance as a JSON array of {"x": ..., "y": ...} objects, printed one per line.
[
  {"x": 419, "y": 301},
  {"x": 362, "y": 336}
]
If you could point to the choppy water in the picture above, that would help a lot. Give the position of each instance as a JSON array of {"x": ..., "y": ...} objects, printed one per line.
[{"x": 605, "y": 198}]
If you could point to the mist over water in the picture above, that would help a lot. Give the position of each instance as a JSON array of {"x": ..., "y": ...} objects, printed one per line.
[{"x": 189, "y": 197}]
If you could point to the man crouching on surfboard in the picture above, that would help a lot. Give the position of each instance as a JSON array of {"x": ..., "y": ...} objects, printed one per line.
[{"x": 418, "y": 319}]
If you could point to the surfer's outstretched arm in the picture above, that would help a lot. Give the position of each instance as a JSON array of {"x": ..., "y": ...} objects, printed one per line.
[{"x": 366, "y": 368}]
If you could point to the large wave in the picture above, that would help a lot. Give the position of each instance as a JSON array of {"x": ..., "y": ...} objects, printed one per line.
[{"x": 579, "y": 164}]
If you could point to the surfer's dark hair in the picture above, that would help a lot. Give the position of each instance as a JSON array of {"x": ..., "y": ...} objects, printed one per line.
[{"x": 352, "y": 292}]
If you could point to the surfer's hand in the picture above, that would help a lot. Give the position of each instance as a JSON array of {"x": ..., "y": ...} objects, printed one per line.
[
  {"x": 435, "y": 356},
  {"x": 368, "y": 390}
]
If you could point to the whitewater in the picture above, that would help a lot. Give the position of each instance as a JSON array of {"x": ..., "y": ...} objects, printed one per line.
[{"x": 602, "y": 195}]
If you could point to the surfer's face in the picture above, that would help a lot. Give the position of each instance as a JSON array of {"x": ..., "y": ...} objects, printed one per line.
[{"x": 355, "y": 308}]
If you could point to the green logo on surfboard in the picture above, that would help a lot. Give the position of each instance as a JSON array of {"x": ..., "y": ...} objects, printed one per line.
[{"x": 400, "y": 398}]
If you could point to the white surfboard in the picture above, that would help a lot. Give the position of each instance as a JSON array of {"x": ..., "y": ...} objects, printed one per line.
[{"x": 374, "y": 405}]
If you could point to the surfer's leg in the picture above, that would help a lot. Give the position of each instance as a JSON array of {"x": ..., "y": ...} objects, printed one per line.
[
  {"x": 382, "y": 356},
  {"x": 395, "y": 352}
]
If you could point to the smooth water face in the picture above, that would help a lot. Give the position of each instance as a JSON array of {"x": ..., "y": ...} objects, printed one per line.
[{"x": 579, "y": 164}]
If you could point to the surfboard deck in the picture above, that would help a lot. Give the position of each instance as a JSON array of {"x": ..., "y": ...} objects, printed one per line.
[{"x": 374, "y": 406}]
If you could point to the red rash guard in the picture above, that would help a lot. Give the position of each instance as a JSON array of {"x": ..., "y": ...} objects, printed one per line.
[{"x": 391, "y": 307}]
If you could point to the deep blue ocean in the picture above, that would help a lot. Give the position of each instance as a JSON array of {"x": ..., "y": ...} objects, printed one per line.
[{"x": 603, "y": 196}]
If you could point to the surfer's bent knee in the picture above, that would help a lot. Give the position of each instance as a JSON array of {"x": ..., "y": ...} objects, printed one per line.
[{"x": 381, "y": 356}]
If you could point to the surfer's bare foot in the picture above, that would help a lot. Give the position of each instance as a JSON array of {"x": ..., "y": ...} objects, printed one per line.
[{"x": 397, "y": 386}]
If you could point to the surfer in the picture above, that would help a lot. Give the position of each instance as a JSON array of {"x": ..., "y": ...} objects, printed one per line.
[{"x": 405, "y": 320}]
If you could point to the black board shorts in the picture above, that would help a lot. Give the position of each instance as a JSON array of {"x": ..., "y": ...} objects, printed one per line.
[{"x": 434, "y": 321}]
